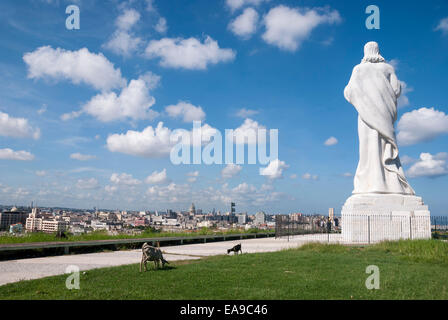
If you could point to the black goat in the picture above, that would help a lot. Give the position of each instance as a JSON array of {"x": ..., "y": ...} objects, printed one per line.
[{"x": 235, "y": 249}]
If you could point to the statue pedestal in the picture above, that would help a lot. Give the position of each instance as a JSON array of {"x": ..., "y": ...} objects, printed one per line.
[{"x": 370, "y": 218}]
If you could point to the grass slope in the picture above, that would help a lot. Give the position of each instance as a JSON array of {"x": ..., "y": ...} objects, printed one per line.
[
  {"x": 408, "y": 270},
  {"x": 102, "y": 235}
]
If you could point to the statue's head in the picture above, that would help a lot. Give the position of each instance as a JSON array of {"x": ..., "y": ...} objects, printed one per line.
[{"x": 372, "y": 53}]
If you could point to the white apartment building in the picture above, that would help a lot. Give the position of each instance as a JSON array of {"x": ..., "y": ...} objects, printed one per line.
[
  {"x": 205, "y": 224},
  {"x": 97, "y": 225},
  {"x": 260, "y": 218},
  {"x": 35, "y": 222},
  {"x": 54, "y": 225}
]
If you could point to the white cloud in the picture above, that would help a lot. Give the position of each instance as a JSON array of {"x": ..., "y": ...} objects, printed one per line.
[
  {"x": 308, "y": 176},
  {"x": 85, "y": 169},
  {"x": 150, "y": 5},
  {"x": 41, "y": 173},
  {"x": 441, "y": 156},
  {"x": 248, "y": 131},
  {"x": 403, "y": 100},
  {"x": 123, "y": 42},
  {"x": 127, "y": 19},
  {"x": 394, "y": 63},
  {"x": 188, "y": 53},
  {"x": 91, "y": 183},
  {"x": 124, "y": 179},
  {"x": 172, "y": 193},
  {"x": 19, "y": 193},
  {"x": 331, "y": 141},
  {"x": 421, "y": 125},
  {"x": 443, "y": 26},
  {"x": 81, "y": 157},
  {"x": 9, "y": 154},
  {"x": 161, "y": 25},
  {"x": 157, "y": 177},
  {"x": 134, "y": 102},
  {"x": 110, "y": 189},
  {"x": 231, "y": 170},
  {"x": 274, "y": 170},
  {"x": 266, "y": 187},
  {"x": 287, "y": 27},
  {"x": 237, "y": 4},
  {"x": 17, "y": 127},
  {"x": 405, "y": 160},
  {"x": 293, "y": 176},
  {"x": 245, "y": 24},
  {"x": 243, "y": 188},
  {"x": 71, "y": 115},
  {"x": 429, "y": 166},
  {"x": 187, "y": 111},
  {"x": 152, "y": 80},
  {"x": 42, "y": 110},
  {"x": 151, "y": 142},
  {"x": 246, "y": 113},
  {"x": 347, "y": 174},
  {"x": 193, "y": 174},
  {"x": 74, "y": 141},
  {"x": 245, "y": 193},
  {"x": 78, "y": 67}
]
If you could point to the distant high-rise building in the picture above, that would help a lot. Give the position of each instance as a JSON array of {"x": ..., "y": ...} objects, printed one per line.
[
  {"x": 192, "y": 209},
  {"x": 170, "y": 214},
  {"x": 34, "y": 221},
  {"x": 242, "y": 218},
  {"x": 260, "y": 218},
  {"x": 232, "y": 208},
  {"x": 14, "y": 216}
]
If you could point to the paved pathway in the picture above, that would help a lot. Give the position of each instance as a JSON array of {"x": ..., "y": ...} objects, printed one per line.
[{"x": 26, "y": 269}]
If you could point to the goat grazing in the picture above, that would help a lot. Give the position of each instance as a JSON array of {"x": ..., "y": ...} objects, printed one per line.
[
  {"x": 235, "y": 249},
  {"x": 150, "y": 253}
]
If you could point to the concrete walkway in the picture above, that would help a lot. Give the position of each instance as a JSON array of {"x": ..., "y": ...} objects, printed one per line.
[{"x": 26, "y": 269}]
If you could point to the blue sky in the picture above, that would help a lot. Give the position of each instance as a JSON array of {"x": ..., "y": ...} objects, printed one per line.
[{"x": 65, "y": 113}]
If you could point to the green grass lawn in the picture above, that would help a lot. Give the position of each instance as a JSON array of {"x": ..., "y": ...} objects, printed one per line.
[
  {"x": 408, "y": 270},
  {"x": 102, "y": 235}
]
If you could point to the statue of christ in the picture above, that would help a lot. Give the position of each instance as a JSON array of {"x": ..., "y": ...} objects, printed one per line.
[{"x": 373, "y": 90}]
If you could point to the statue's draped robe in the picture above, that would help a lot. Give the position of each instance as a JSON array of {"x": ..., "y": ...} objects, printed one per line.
[{"x": 373, "y": 90}]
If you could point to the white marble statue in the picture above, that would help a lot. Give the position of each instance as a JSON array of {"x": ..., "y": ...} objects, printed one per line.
[
  {"x": 383, "y": 205},
  {"x": 373, "y": 90}
]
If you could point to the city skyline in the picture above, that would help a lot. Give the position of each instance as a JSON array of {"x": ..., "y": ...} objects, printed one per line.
[
  {"x": 84, "y": 114},
  {"x": 198, "y": 211}
]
